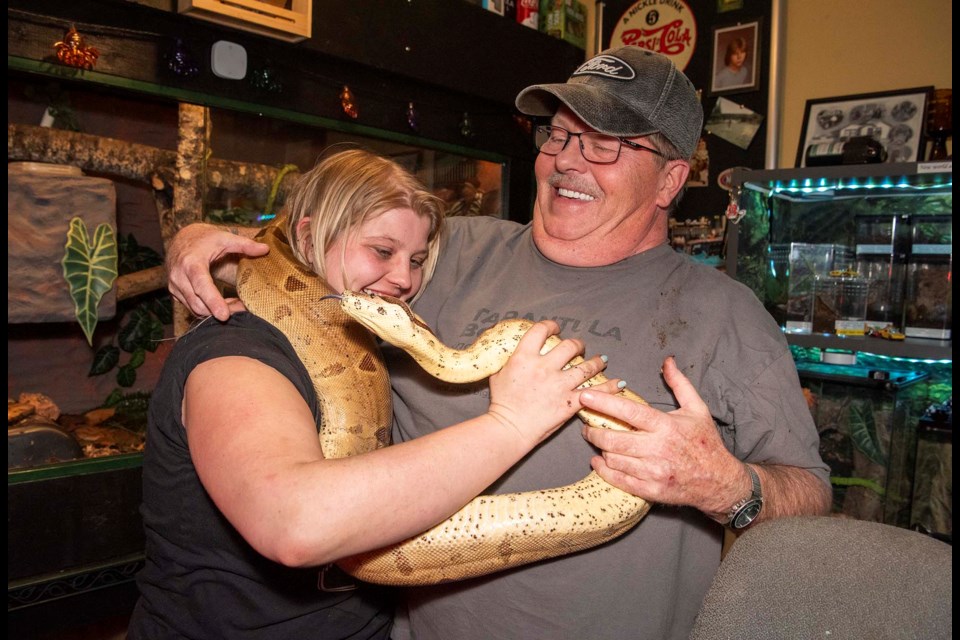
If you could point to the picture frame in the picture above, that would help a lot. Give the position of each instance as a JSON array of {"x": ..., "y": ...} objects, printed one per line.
[
  {"x": 895, "y": 119},
  {"x": 733, "y": 122},
  {"x": 729, "y": 5},
  {"x": 287, "y": 20},
  {"x": 736, "y": 59}
]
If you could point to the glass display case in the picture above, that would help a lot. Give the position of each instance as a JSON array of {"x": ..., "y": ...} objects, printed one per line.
[
  {"x": 882, "y": 222},
  {"x": 76, "y": 429},
  {"x": 251, "y": 161},
  {"x": 855, "y": 264},
  {"x": 862, "y": 415}
]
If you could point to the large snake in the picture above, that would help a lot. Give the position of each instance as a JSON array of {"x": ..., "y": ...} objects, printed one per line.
[{"x": 492, "y": 532}]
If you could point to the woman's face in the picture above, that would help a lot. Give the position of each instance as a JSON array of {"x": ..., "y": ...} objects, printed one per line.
[{"x": 384, "y": 256}]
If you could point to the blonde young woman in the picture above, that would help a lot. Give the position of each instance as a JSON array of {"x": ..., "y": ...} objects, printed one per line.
[{"x": 240, "y": 507}]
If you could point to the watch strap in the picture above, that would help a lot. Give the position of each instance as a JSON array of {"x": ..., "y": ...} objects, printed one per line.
[{"x": 744, "y": 512}]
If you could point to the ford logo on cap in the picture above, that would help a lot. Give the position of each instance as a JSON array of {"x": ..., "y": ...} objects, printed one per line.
[{"x": 607, "y": 67}]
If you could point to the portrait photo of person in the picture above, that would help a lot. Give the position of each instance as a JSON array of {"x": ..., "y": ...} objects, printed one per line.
[{"x": 735, "y": 59}]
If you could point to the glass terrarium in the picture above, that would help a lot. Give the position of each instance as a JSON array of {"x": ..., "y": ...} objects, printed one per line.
[
  {"x": 882, "y": 246},
  {"x": 867, "y": 436},
  {"x": 932, "y": 503},
  {"x": 77, "y": 405},
  {"x": 928, "y": 305},
  {"x": 894, "y": 217},
  {"x": 857, "y": 217}
]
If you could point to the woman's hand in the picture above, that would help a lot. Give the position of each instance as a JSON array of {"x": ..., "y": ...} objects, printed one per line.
[{"x": 533, "y": 394}]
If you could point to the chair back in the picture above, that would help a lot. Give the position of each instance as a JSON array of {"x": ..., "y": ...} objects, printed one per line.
[{"x": 831, "y": 579}]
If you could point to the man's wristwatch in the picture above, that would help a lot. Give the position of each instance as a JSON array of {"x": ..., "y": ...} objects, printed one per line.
[{"x": 744, "y": 512}]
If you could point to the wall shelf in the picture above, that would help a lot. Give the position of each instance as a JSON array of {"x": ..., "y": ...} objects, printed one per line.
[
  {"x": 911, "y": 348},
  {"x": 823, "y": 183}
]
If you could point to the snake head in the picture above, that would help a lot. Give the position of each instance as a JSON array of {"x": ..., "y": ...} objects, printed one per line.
[{"x": 388, "y": 317}]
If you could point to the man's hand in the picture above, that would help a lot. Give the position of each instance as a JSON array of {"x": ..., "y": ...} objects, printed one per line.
[
  {"x": 197, "y": 253},
  {"x": 672, "y": 458}
]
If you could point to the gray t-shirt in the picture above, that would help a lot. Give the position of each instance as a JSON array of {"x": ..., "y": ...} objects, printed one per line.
[{"x": 650, "y": 582}]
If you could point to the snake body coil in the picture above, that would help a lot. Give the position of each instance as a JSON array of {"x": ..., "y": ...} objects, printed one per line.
[{"x": 492, "y": 532}]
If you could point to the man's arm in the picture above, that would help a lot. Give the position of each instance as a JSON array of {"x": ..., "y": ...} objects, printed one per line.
[
  {"x": 201, "y": 252},
  {"x": 792, "y": 491},
  {"x": 679, "y": 458}
]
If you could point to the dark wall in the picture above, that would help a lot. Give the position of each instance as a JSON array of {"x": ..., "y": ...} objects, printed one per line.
[{"x": 711, "y": 200}]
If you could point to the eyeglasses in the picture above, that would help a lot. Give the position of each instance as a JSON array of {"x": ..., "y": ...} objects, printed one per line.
[{"x": 596, "y": 147}]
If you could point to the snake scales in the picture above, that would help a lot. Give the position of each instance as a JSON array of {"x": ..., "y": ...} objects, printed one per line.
[{"x": 492, "y": 532}]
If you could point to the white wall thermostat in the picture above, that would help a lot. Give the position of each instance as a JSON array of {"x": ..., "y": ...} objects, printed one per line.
[{"x": 228, "y": 60}]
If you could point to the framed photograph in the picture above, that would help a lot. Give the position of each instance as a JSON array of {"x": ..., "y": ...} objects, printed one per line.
[
  {"x": 287, "y": 20},
  {"x": 892, "y": 119},
  {"x": 736, "y": 62},
  {"x": 732, "y": 122},
  {"x": 729, "y": 5}
]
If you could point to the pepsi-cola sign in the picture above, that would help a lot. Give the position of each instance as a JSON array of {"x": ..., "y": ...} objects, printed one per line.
[{"x": 664, "y": 26}]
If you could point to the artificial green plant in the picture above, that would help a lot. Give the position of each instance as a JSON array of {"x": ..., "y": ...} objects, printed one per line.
[
  {"x": 141, "y": 327},
  {"x": 89, "y": 269}
]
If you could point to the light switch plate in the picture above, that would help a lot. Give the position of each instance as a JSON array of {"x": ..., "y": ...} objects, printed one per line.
[{"x": 228, "y": 60}]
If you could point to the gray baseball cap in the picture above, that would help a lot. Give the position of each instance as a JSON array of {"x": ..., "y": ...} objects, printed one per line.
[{"x": 625, "y": 92}]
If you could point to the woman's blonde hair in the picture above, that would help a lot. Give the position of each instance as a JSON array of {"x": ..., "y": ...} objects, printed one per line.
[{"x": 348, "y": 188}]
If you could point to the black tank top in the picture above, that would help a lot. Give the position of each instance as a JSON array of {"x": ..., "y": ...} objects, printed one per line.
[{"x": 201, "y": 579}]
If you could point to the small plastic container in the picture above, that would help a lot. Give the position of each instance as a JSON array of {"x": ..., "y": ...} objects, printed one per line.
[
  {"x": 885, "y": 276},
  {"x": 883, "y": 245},
  {"x": 875, "y": 233},
  {"x": 928, "y": 307},
  {"x": 839, "y": 304},
  {"x": 928, "y": 301},
  {"x": 808, "y": 262},
  {"x": 931, "y": 233}
]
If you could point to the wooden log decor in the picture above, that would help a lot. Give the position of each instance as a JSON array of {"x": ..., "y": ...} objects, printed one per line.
[{"x": 141, "y": 163}]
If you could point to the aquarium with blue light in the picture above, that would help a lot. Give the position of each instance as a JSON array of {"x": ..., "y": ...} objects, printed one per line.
[
  {"x": 855, "y": 264},
  {"x": 867, "y": 415}
]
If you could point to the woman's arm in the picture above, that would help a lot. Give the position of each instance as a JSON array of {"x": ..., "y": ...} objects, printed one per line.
[{"x": 255, "y": 447}]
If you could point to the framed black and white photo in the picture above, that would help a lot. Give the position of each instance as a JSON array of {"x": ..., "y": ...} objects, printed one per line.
[
  {"x": 891, "y": 120},
  {"x": 736, "y": 63}
]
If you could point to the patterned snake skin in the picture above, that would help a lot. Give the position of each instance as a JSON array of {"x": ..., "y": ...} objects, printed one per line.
[{"x": 492, "y": 532}]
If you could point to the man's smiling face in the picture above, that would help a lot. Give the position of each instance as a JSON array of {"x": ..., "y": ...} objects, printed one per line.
[{"x": 591, "y": 214}]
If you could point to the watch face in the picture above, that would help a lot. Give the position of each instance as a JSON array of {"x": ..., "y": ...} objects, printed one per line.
[{"x": 746, "y": 514}]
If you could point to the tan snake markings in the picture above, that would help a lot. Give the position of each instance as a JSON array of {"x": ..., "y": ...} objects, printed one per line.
[{"x": 492, "y": 532}]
